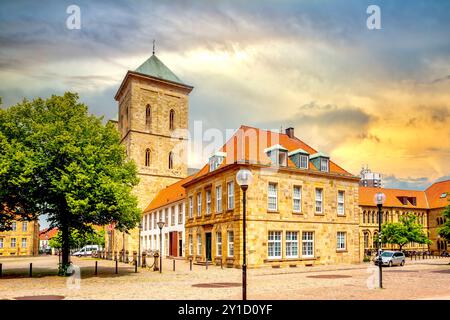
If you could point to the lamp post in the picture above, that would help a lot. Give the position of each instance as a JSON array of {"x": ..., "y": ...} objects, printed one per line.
[
  {"x": 160, "y": 226},
  {"x": 379, "y": 199},
  {"x": 244, "y": 179},
  {"x": 139, "y": 245}
]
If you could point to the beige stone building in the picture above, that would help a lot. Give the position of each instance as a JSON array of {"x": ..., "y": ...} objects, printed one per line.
[
  {"x": 153, "y": 108},
  {"x": 22, "y": 240},
  {"x": 302, "y": 208}
]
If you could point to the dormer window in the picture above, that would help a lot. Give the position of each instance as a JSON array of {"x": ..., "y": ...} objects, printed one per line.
[
  {"x": 443, "y": 195},
  {"x": 321, "y": 161},
  {"x": 278, "y": 155},
  {"x": 216, "y": 160},
  {"x": 300, "y": 157}
]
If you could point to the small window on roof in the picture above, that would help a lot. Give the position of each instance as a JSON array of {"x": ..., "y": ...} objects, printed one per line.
[
  {"x": 278, "y": 155},
  {"x": 444, "y": 195}
]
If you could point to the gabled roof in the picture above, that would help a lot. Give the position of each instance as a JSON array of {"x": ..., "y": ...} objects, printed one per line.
[
  {"x": 155, "y": 68},
  {"x": 434, "y": 193},
  {"x": 171, "y": 194},
  {"x": 47, "y": 233},
  {"x": 253, "y": 150}
]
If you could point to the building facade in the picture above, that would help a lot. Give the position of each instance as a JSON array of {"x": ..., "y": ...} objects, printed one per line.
[
  {"x": 369, "y": 178},
  {"x": 153, "y": 123},
  {"x": 21, "y": 240},
  {"x": 302, "y": 208}
]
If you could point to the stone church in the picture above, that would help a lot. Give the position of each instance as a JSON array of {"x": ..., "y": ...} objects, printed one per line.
[{"x": 153, "y": 109}]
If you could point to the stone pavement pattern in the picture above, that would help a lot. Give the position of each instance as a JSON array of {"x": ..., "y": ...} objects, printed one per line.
[{"x": 424, "y": 279}]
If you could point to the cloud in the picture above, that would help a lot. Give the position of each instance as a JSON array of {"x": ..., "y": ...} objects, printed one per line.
[{"x": 391, "y": 181}]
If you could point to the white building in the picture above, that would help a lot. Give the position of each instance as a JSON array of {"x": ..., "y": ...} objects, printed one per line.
[
  {"x": 168, "y": 206},
  {"x": 369, "y": 178}
]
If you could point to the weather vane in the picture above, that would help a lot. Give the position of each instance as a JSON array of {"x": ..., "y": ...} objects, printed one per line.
[{"x": 153, "y": 46}]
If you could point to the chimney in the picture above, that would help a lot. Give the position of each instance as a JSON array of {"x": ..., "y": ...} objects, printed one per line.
[{"x": 290, "y": 132}]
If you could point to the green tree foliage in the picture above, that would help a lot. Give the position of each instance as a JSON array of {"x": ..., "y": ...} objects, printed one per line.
[
  {"x": 79, "y": 240},
  {"x": 408, "y": 229},
  {"x": 444, "y": 231},
  {"x": 57, "y": 159}
]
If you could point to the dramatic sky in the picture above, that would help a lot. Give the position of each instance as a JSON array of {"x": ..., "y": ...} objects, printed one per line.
[{"x": 376, "y": 97}]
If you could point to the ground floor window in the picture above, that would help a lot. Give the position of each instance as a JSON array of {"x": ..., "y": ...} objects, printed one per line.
[
  {"x": 308, "y": 244},
  {"x": 341, "y": 241},
  {"x": 274, "y": 244},
  {"x": 230, "y": 244},
  {"x": 291, "y": 244},
  {"x": 191, "y": 244},
  {"x": 199, "y": 244},
  {"x": 219, "y": 244}
]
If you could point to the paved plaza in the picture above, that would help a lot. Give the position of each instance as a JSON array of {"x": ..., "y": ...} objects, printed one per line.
[{"x": 418, "y": 279}]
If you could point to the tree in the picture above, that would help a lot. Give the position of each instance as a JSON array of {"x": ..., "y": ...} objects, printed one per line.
[
  {"x": 58, "y": 160},
  {"x": 79, "y": 240},
  {"x": 444, "y": 231},
  {"x": 408, "y": 229}
]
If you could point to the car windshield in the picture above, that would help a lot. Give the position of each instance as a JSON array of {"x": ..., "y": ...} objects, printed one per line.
[{"x": 386, "y": 254}]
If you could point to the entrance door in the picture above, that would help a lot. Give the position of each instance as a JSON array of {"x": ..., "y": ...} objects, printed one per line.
[
  {"x": 208, "y": 246},
  {"x": 173, "y": 244}
]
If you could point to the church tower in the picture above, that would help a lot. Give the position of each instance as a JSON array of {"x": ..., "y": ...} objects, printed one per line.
[{"x": 153, "y": 126}]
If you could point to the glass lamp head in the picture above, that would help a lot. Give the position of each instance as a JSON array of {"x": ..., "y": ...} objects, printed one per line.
[
  {"x": 244, "y": 177},
  {"x": 379, "y": 198}
]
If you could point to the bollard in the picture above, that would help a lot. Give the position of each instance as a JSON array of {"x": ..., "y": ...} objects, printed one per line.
[
  {"x": 95, "y": 267},
  {"x": 31, "y": 270},
  {"x": 117, "y": 267},
  {"x": 135, "y": 266},
  {"x": 190, "y": 263},
  {"x": 173, "y": 264}
]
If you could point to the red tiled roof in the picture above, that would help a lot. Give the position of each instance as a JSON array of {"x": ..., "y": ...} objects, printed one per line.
[
  {"x": 168, "y": 195},
  {"x": 248, "y": 144},
  {"x": 434, "y": 193},
  {"x": 47, "y": 233}
]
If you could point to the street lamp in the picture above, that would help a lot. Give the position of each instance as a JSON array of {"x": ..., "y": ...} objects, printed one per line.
[
  {"x": 139, "y": 245},
  {"x": 379, "y": 199},
  {"x": 244, "y": 179},
  {"x": 160, "y": 226}
]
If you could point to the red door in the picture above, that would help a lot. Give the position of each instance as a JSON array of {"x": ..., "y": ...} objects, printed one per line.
[{"x": 173, "y": 251}]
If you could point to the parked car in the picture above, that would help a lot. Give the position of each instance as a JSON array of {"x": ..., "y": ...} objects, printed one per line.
[
  {"x": 87, "y": 251},
  {"x": 390, "y": 258}
]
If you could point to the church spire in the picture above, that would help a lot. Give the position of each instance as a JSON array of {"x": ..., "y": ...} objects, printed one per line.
[{"x": 153, "y": 46}]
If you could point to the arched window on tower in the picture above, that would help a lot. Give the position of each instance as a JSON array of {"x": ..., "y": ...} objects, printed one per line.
[
  {"x": 172, "y": 119},
  {"x": 170, "y": 160},
  {"x": 148, "y": 117},
  {"x": 147, "y": 157}
]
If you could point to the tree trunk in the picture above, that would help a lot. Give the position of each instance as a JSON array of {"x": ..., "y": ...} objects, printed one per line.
[
  {"x": 401, "y": 246},
  {"x": 65, "y": 246}
]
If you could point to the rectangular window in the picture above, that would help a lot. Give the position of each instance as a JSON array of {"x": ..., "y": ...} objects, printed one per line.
[
  {"x": 144, "y": 223},
  {"x": 341, "y": 241},
  {"x": 199, "y": 204},
  {"x": 172, "y": 216},
  {"x": 24, "y": 242},
  {"x": 230, "y": 243},
  {"x": 208, "y": 201},
  {"x": 191, "y": 207},
  {"x": 324, "y": 165},
  {"x": 13, "y": 242},
  {"x": 218, "y": 198},
  {"x": 24, "y": 226},
  {"x": 199, "y": 244},
  {"x": 166, "y": 217},
  {"x": 13, "y": 226},
  {"x": 191, "y": 244},
  {"x": 341, "y": 201},
  {"x": 297, "y": 199},
  {"x": 272, "y": 197},
  {"x": 219, "y": 244},
  {"x": 319, "y": 200},
  {"x": 303, "y": 161},
  {"x": 274, "y": 244},
  {"x": 230, "y": 190},
  {"x": 308, "y": 244},
  {"x": 1, "y": 242},
  {"x": 180, "y": 213},
  {"x": 291, "y": 244}
]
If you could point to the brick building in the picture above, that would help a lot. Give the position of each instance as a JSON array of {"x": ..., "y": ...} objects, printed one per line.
[{"x": 22, "y": 240}]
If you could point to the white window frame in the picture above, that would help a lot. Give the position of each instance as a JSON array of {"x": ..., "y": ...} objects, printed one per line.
[
  {"x": 219, "y": 243},
  {"x": 1, "y": 243},
  {"x": 199, "y": 204},
  {"x": 324, "y": 164},
  {"x": 219, "y": 198},
  {"x": 24, "y": 246},
  {"x": 272, "y": 196},
  {"x": 308, "y": 244},
  {"x": 191, "y": 244},
  {"x": 208, "y": 202},
  {"x": 180, "y": 213},
  {"x": 173, "y": 216},
  {"x": 230, "y": 195},
  {"x": 24, "y": 226},
  {"x": 304, "y": 161},
  {"x": 274, "y": 242},
  {"x": 319, "y": 200},
  {"x": 297, "y": 197},
  {"x": 14, "y": 226},
  {"x": 230, "y": 243},
  {"x": 199, "y": 244},
  {"x": 13, "y": 242},
  {"x": 291, "y": 244},
  {"x": 341, "y": 241},
  {"x": 191, "y": 207},
  {"x": 341, "y": 203}
]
